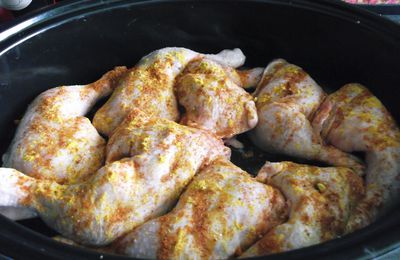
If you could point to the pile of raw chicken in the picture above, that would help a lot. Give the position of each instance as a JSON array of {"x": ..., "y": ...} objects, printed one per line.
[{"x": 163, "y": 186}]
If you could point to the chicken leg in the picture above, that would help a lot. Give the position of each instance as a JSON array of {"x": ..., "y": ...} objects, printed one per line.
[
  {"x": 320, "y": 202},
  {"x": 353, "y": 119},
  {"x": 287, "y": 99},
  {"x": 125, "y": 193},
  {"x": 221, "y": 213},
  {"x": 54, "y": 141},
  {"x": 149, "y": 86}
]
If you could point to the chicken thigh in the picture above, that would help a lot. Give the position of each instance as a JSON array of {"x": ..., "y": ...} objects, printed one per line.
[
  {"x": 125, "y": 193},
  {"x": 287, "y": 98},
  {"x": 320, "y": 202},
  {"x": 222, "y": 212},
  {"x": 214, "y": 99},
  {"x": 353, "y": 119},
  {"x": 149, "y": 86},
  {"x": 54, "y": 141}
]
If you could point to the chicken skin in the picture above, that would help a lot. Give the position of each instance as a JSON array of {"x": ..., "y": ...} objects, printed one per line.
[
  {"x": 320, "y": 202},
  {"x": 54, "y": 141},
  {"x": 214, "y": 99},
  {"x": 287, "y": 98},
  {"x": 353, "y": 119},
  {"x": 149, "y": 86},
  {"x": 222, "y": 212},
  {"x": 125, "y": 193}
]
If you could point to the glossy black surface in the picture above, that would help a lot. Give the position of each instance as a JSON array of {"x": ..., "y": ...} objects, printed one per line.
[{"x": 80, "y": 40}]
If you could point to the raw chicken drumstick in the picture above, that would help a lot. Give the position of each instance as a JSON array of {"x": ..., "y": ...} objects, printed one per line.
[
  {"x": 287, "y": 98},
  {"x": 320, "y": 199},
  {"x": 54, "y": 141},
  {"x": 222, "y": 212},
  {"x": 353, "y": 119},
  {"x": 149, "y": 86},
  {"x": 122, "y": 194},
  {"x": 214, "y": 99}
]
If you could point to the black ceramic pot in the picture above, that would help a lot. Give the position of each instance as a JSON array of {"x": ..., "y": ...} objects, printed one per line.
[{"x": 78, "y": 41}]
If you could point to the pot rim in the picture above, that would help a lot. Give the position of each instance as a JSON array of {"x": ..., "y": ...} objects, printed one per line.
[{"x": 372, "y": 241}]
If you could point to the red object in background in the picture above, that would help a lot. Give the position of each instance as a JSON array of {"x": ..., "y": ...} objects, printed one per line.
[
  {"x": 5, "y": 15},
  {"x": 373, "y": 2}
]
